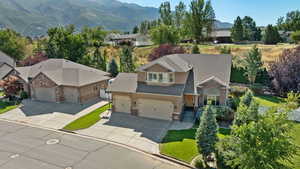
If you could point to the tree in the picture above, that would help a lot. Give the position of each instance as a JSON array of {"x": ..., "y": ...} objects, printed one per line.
[
  {"x": 285, "y": 71},
  {"x": 292, "y": 101},
  {"x": 296, "y": 36},
  {"x": 11, "y": 85},
  {"x": 251, "y": 32},
  {"x": 164, "y": 34},
  {"x": 200, "y": 19},
  {"x": 266, "y": 144},
  {"x": 99, "y": 59},
  {"x": 195, "y": 49},
  {"x": 135, "y": 30},
  {"x": 253, "y": 64},
  {"x": 12, "y": 43},
  {"x": 165, "y": 49},
  {"x": 206, "y": 135},
  {"x": 180, "y": 12},
  {"x": 166, "y": 13},
  {"x": 237, "y": 31},
  {"x": 291, "y": 22},
  {"x": 113, "y": 68},
  {"x": 225, "y": 50},
  {"x": 126, "y": 60},
  {"x": 34, "y": 59},
  {"x": 271, "y": 35}
]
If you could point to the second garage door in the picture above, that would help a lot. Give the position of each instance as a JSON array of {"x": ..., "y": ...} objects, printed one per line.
[
  {"x": 45, "y": 94},
  {"x": 122, "y": 104},
  {"x": 155, "y": 109}
]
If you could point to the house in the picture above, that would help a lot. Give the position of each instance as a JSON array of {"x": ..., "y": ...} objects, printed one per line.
[
  {"x": 163, "y": 88},
  {"x": 128, "y": 39},
  {"x": 221, "y": 35},
  {"x": 7, "y": 65},
  {"x": 60, "y": 80}
]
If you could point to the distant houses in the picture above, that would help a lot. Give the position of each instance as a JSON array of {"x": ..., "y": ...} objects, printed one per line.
[{"x": 128, "y": 39}]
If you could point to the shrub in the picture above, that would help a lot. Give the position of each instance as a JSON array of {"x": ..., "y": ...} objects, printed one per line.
[
  {"x": 224, "y": 113},
  {"x": 238, "y": 91},
  {"x": 166, "y": 49},
  {"x": 257, "y": 88},
  {"x": 198, "y": 162},
  {"x": 296, "y": 36},
  {"x": 24, "y": 95},
  {"x": 225, "y": 50}
]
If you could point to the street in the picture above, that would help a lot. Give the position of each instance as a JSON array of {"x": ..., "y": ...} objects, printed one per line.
[{"x": 24, "y": 147}]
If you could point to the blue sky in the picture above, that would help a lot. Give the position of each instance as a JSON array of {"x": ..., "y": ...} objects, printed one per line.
[{"x": 263, "y": 11}]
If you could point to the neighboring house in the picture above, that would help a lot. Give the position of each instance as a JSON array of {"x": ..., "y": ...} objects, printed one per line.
[
  {"x": 128, "y": 39},
  {"x": 221, "y": 35},
  {"x": 7, "y": 65},
  {"x": 163, "y": 88},
  {"x": 60, "y": 80}
]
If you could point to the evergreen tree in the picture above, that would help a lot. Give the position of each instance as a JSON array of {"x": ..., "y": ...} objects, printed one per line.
[
  {"x": 206, "y": 136},
  {"x": 237, "y": 31},
  {"x": 271, "y": 35},
  {"x": 99, "y": 60},
  {"x": 195, "y": 49},
  {"x": 135, "y": 30},
  {"x": 247, "y": 98},
  {"x": 113, "y": 68},
  {"x": 126, "y": 60},
  {"x": 249, "y": 27},
  {"x": 253, "y": 64}
]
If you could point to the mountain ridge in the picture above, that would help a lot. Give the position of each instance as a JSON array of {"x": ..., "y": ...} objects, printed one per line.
[{"x": 34, "y": 17}]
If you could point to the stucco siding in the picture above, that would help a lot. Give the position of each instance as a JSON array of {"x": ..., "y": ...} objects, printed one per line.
[{"x": 181, "y": 77}]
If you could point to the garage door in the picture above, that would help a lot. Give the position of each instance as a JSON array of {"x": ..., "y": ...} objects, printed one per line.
[
  {"x": 45, "y": 94},
  {"x": 71, "y": 95},
  {"x": 155, "y": 109},
  {"x": 122, "y": 104}
]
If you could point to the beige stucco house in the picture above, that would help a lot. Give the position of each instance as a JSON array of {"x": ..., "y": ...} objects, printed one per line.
[
  {"x": 60, "y": 80},
  {"x": 162, "y": 88}
]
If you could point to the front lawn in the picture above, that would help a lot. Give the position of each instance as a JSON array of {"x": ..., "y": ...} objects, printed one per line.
[
  {"x": 268, "y": 101},
  {"x": 181, "y": 144},
  {"x": 7, "y": 106},
  {"x": 87, "y": 120}
]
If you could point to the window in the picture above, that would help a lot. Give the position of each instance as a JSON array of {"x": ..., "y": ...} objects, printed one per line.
[
  {"x": 212, "y": 100},
  {"x": 160, "y": 77}
]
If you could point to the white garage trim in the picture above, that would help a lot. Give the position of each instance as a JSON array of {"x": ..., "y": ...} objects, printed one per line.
[
  {"x": 122, "y": 104},
  {"x": 155, "y": 109},
  {"x": 45, "y": 94}
]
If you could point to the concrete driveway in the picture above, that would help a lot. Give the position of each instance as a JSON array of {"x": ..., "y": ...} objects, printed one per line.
[
  {"x": 24, "y": 147},
  {"x": 50, "y": 115},
  {"x": 142, "y": 133}
]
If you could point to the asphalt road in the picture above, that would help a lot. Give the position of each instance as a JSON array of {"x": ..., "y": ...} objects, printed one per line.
[{"x": 24, "y": 147}]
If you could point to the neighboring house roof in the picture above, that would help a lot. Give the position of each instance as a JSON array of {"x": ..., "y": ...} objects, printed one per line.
[
  {"x": 125, "y": 82},
  {"x": 5, "y": 70},
  {"x": 221, "y": 33},
  {"x": 174, "y": 63},
  {"x": 125, "y": 36},
  {"x": 202, "y": 68},
  {"x": 4, "y": 58},
  {"x": 64, "y": 72}
]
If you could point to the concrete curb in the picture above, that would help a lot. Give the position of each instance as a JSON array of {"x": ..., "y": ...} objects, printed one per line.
[{"x": 154, "y": 156}]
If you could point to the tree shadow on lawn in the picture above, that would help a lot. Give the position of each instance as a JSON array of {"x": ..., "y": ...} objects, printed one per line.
[{"x": 273, "y": 99}]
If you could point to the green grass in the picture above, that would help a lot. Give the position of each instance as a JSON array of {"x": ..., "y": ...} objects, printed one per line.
[
  {"x": 268, "y": 101},
  {"x": 88, "y": 120},
  {"x": 181, "y": 144},
  {"x": 7, "y": 106},
  {"x": 297, "y": 141}
]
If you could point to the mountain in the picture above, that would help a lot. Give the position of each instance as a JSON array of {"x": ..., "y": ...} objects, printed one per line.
[
  {"x": 223, "y": 25},
  {"x": 35, "y": 17}
]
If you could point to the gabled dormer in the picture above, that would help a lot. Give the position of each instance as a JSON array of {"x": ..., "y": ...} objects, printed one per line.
[{"x": 164, "y": 72}]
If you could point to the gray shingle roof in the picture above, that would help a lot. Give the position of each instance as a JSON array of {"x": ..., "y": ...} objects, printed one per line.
[
  {"x": 4, "y": 58},
  {"x": 5, "y": 69},
  {"x": 174, "y": 90},
  {"x": 125, "y": 82},
  {"x": 64, "y": 72}
]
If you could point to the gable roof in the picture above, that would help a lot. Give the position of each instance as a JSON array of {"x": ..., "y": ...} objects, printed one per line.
[
  {"x": 5, "y": 70},
  {"x": 125, "y": 82},
  {"x": 174, "y": 63},
  {"x": 64, "y": 72},
  {"x": 4, "y": 58}
]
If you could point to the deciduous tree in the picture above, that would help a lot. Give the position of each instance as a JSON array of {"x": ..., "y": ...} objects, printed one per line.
[
  {"x": 253, "y": 64},
  {"x": 165, "y": 49},
  {"x": 271, "y": 35},
  {"x": 126, "y": 60},
  {"x": 164, "y": 34},
  {"x": 166, "y": 13}
]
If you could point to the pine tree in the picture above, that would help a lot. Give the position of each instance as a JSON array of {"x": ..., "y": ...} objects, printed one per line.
[
  {"x": 113, "y": 68},
  {"x": 237, "y": 31},
  {"x": 135, "y": 30},
  {"x": 271, "y": 35},
  {"x": 126, "y": 60},
  {"x": 206, "y": 136},
  {"x": 195, "y": 49}
]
